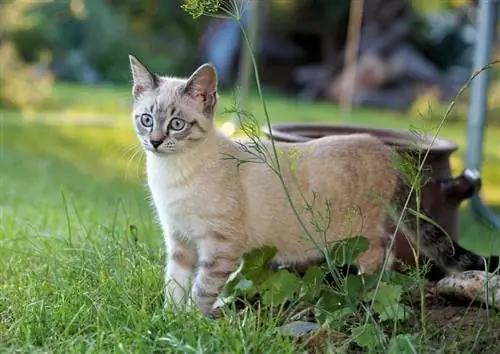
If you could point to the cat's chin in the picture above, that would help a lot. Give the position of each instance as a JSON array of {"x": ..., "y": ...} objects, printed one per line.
[
  {"x": 161, "y": 153},
  {"x": 155, "y": 152}
]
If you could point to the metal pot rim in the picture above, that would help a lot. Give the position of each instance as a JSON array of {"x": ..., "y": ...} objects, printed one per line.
[{"x": 302, "y": 132}]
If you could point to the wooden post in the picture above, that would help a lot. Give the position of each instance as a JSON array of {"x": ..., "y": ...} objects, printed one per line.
[
  {"x": 245, "y": 71},
  {"x": 351, "y": 52}
]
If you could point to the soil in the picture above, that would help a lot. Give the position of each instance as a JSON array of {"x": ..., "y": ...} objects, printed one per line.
[{"x": 452, "y": 326}]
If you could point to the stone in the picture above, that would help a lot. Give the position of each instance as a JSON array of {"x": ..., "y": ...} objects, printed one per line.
[
  {"x": 474, "y": 285},
  {"x": 298, "y": 328}
]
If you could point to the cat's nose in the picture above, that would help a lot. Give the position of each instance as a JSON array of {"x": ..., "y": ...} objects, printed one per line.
[
  {"x": 156, "y": 143},
  {"x": 157, "y": 137}
]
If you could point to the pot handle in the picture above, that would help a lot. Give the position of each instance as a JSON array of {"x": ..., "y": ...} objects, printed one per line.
[{"x": 464, "y": 186}]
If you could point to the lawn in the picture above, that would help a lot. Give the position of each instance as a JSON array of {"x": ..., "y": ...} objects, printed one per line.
[{"x": 81, "y": 257}]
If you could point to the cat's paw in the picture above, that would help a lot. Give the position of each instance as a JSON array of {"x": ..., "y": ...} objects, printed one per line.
[
  {"x": 214, "y": 313},
  {"x": 176, "y": 297}
]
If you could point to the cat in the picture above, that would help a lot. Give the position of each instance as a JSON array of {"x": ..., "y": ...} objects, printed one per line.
[{"x": 212, "y": 210}]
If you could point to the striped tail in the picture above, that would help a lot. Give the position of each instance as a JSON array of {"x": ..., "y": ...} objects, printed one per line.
[{"x": 446, "y": 256}]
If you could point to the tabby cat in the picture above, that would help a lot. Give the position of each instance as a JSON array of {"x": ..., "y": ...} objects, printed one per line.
[{"x": 212, "y": 210}]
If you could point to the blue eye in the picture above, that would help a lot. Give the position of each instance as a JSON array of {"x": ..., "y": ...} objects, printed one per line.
[
  {"x": 146, "y": 120},
  {"x": 177, "y": 124}
]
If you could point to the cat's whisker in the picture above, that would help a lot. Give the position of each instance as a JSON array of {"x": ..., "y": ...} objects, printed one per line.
[
  {"x": 139, "y": 165},
  {"x": 124, "y": 151},
  {"x": 132, "y": 159}
]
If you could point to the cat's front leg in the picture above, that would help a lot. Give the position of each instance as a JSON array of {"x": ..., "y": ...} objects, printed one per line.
[
  {"x": 218, "y": 257},
  {"x": 181, "y": 260}
]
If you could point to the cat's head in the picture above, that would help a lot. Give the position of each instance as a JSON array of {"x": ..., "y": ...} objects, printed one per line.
[{"x": 172, "y": 114}]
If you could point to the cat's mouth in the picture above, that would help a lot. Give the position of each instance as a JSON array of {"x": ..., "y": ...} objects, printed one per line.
[{"x": 165, "y": 150}]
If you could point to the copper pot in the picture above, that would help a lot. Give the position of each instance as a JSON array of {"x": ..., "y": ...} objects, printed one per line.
[{"x": 442, "y": 193}]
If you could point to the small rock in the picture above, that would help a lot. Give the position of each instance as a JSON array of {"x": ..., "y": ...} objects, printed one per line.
[
  {"x": 472, "y": 285},
  {"x": 298, "y": 328}
]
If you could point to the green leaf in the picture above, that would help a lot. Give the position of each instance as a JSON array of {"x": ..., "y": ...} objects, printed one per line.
[
  {"x": 332, "y": 309},
  {"x": 280, "y": 287},
  {"x": 406, "y": 282},
  {"x": 403, "y": 344},
  {"x": 386, "y": 294},
  {"x": 394, "y": 312},
  {"x": 331, "y": 301},
  {"x": 245, "y": 287},
  {"x": 354, "y": 289},
  {"x": 356, "y": 286},
  {"x": 312, "y": 283},
  {"x": 387, "y": 302},
  {"x": 346, "y": 251},
  {"x": 256, "y": 264},
  {"x": 369, "y": 337}
]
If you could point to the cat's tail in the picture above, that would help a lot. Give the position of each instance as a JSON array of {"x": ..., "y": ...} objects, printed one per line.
[{"x": 432, "y": 240}]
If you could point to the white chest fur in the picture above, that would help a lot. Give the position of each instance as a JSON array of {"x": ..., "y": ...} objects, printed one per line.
[{"x": 175, "y": 199}]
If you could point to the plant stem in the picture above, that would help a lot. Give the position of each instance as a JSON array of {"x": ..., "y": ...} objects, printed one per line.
[{"x": 268, "y": 122}]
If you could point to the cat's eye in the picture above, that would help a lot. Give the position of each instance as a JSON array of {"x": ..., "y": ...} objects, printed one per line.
[
  {"x": 177, "y": 124},
  {"x": 146, "y": 120}
]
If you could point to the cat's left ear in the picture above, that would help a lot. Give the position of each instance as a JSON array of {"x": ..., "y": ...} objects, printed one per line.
[
  {"x": 202, "y": 85},
  {"x": 144, "y": 79}
]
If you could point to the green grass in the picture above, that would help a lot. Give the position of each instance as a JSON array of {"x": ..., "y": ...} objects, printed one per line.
[{"x": 81, "y": 257}]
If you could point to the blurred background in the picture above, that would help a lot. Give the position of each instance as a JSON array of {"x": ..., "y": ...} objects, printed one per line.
[
  {"x": 65, "y": 93},
  {"x": 406, "y": 48}
]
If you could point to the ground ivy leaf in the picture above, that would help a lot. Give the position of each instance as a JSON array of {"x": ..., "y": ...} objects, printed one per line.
[
  {"x": 245, "y": 287},
  {"x": 395, "y": 312},
  {"x": 332, "y": 309},
  {"x": 354, "y": 289},
  {"x": 346, "y": 251},
  {"x": 368, "y": 336},
  {"x": 280, "y": 287},
  {"x": 386, "y": 294},
  {"x": 386, "y": 302},
  {"x": 256, "y": 264},
  {"x": 370, "y": 280},
  {"x": 312, "y": 283},
  {"x": 403, "y": 344},
  {"x": 405, "y": 281}
]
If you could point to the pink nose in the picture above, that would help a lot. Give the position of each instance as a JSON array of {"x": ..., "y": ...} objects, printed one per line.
[{"x": 157, "y": 137}]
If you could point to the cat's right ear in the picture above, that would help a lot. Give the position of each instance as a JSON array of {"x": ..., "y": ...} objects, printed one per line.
[{"x": 144, "y": 79}]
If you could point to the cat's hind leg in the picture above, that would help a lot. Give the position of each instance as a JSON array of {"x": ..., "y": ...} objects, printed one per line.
[{"x": 378, "y": 253}]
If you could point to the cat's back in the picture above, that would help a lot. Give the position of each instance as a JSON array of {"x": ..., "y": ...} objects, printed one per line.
[
  {"x": 358, "y": 161},
  {"x": 341, "y": 170},
  {"x": 348, "y": 145},
  {"x": 361, "y": 160}
]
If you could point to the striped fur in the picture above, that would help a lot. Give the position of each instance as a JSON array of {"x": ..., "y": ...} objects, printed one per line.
[{"x": 446, "y": 255}]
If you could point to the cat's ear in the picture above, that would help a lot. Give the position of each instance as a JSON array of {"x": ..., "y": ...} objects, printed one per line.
[
  {"x": 202, "y": 85},
  {"x": 144, "y": 79}
]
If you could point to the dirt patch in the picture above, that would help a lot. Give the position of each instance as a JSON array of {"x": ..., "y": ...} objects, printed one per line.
[
  {"x": 443, "y": 311},
  {"x": 451, "y": 326},
  {"x": 458, "y": 325}
]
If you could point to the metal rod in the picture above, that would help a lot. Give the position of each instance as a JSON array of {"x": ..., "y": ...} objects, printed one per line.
[
  {"x": 245, "y": 66},
  {"x": 478, "y": 100}
]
